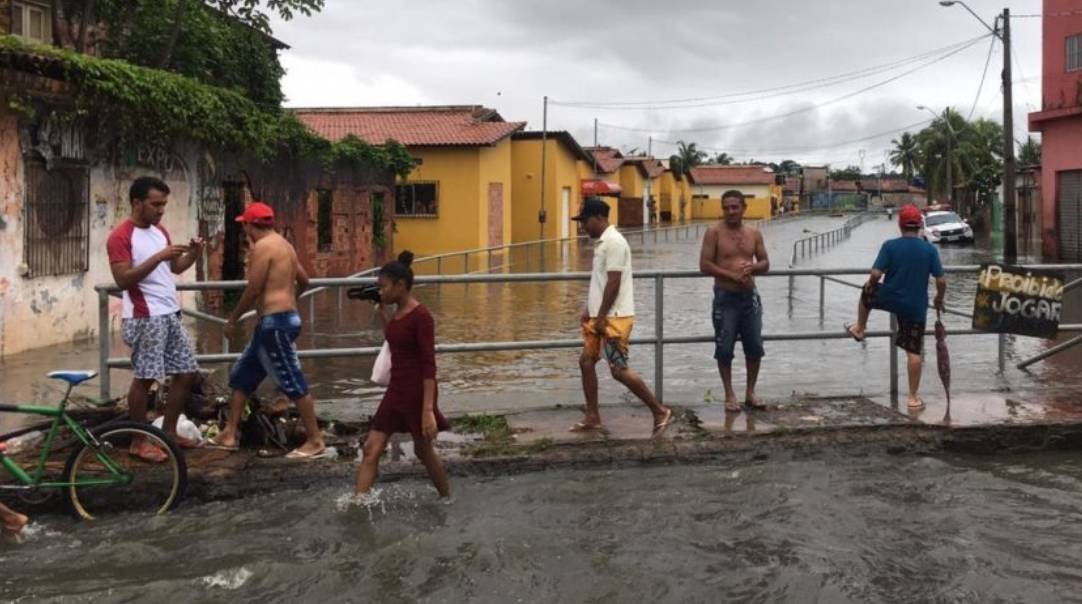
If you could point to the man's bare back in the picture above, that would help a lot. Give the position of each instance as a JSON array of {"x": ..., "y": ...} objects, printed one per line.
[
  {"x": 276, "y": 259},
  {"x": 735, "y": 252}
]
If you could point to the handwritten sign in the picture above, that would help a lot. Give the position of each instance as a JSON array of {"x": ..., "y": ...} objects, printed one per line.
[{"x": 1011, "y": 299}]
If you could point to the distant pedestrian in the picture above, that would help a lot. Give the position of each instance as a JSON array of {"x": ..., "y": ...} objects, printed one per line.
[
  {"x": 608, "y": 318},
  {"x": 907, "y": 262},
  {"x": 275, "y": 280},
  {"x": 410, "y": 403},
  {"x": 143, "y": 260},
  {"x": 733, "y": 253}
]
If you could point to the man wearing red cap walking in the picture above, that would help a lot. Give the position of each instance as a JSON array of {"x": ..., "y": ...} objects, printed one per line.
[
  {"x": 275, "y": 280},
  {"x": 907, "y": 262}
]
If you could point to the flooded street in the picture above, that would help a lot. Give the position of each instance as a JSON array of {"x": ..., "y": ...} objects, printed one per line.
[
  {"x": 830, "y": 528},
  {"x": 508, "y": 381}
]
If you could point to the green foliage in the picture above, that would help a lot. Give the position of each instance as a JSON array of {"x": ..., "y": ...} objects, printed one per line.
[
  {"x": 1029, "y": 154},
  {"x": 906, "y": 155},
  {"x": 135, "y": 104},
  {"x": 846, "y": 173},
  {"x": 690, "y": 155}
]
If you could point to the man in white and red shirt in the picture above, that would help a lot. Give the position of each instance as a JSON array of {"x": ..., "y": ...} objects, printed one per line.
[{"x": 143, "y": 260}]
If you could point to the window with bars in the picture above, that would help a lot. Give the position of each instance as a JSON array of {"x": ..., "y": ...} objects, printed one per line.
[
  {"x": 56, "y": 235},
  {"x": 1074, "y": 52},
  {"x": 417, "y": 199},
  {"x": 32, "y": 21},
  {"x": 324, "y": 220}
]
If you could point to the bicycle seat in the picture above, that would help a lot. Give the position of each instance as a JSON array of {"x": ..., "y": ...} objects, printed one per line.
[{"x": 71, "y": 376}]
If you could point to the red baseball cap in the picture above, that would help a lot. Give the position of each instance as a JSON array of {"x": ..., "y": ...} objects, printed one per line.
[
  {"x": 257, "y": 213},
  {"x": 910, "y": 216}
]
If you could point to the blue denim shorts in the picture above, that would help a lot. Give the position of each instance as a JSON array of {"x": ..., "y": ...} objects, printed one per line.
[
  {"x": 737, "y": 315},
  {"x": 272, "y": 352}
]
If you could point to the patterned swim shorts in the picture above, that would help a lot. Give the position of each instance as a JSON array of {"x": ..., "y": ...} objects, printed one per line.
[
  {"x": 160, "y": 346},
  {"x": 272, "y": 352}
]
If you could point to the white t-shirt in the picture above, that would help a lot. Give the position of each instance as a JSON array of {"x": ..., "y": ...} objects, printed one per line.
[
  {"x": 157, "y": 293},
  {"x": 611, "y": 254}
]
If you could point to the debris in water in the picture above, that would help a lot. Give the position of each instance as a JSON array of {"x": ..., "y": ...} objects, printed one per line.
[{"x": 228, "y": 579}]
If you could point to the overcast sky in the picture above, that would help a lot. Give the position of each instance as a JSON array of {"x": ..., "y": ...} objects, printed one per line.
[{"x": 509, "y": 54}]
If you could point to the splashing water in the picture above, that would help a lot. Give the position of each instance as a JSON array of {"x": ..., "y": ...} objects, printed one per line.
[{"x": 228, "y": 579}]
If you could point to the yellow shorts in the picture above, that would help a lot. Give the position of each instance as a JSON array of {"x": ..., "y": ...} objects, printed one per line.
[{"x": 614, "y": 343}]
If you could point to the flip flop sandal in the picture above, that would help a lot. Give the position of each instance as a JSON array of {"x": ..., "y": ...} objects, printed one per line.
[
  {"x": 298, "y": 454},
  {"x": 158, "y": 456},
  {"x": 919, "y": 405},
  {"x": 849, "y": 330},
  {"x": 210, "y": 444},
  {"x": 663, "y": 424},
  {"x": 584, "y": 427},
  {"x": 757, "y": 406},
  {"x": 734, "y": 408}
]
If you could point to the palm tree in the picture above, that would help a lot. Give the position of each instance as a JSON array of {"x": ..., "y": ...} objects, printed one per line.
[
  {"x": 723, "y": 159},
  {"x": 906, "y": 155},
  {"x": 690, "y": 154},
  {"x": 1029, "y": 154}
]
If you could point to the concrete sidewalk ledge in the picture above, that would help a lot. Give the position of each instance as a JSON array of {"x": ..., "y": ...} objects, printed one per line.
[{"x": 538, "y": 440}]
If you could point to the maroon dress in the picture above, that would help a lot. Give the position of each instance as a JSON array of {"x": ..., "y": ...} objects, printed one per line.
[{"x": 413, "y": 360}]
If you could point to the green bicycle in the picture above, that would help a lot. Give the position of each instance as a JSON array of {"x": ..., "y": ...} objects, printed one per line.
[{"x": 100, "y": 475}]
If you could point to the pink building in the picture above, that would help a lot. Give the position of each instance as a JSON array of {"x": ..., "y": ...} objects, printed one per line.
[{"x": 1060, "y": 123}]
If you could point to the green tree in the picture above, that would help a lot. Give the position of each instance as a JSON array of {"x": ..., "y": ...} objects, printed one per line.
[
  {"x": 972, "y": 150},
  {"x": 1029, "y": 154},
  {"x": 788, "y": 166},
  {"x": 722, "y": 159},
  {"x": 690, "y": 155},
  {"x": 847, "y": 173},
  {"x": 220, "y": 42},
  {"x": 906, "y": 155}
]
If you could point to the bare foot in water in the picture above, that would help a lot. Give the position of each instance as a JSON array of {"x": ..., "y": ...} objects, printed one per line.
[
  {"x": 753, "y": 402},
  {"x": 13, "y": 521},
  {"x": 731, "y": 403}
]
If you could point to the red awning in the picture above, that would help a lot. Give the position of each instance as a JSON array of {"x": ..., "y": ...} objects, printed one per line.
[{"x": 600, "y": 188}]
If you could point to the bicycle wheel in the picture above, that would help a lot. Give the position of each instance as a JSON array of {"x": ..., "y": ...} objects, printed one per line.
[{"x": 124, "y": 483}]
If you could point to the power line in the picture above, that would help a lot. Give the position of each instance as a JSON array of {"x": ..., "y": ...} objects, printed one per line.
[
  {"x": 984, "y": 74},
  {"x": 810, "y": 108},
  {"x": 832, "y": 145},
  {"x": 770, "y": 92}
]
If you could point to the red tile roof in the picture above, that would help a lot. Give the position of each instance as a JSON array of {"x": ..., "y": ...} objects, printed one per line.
[
  {"x": 651, "y": 167},
  {"x": 467, "y": 125},
  {"x": 608, "y": 159},
  {"x": 732, "y": 175}
]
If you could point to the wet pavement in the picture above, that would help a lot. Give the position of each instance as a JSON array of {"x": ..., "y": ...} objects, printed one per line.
[
  {"x": 515, "y": 381},
  {"x": 824, "y": 526}
]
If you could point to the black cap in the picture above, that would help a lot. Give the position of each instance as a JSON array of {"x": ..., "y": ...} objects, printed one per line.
[{"x": 592, "y": 206}]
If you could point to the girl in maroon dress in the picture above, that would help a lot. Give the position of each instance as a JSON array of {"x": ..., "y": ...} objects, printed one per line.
[{"x": 409, "y": 404}]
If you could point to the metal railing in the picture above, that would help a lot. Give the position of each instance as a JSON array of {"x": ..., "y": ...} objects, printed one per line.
[
  {"x": 659, "y": 340},
  {"x": 822, "y": 241}
]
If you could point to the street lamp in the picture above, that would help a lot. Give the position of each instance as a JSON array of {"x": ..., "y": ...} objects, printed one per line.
[
  {"x": 1010, "y": 243},
  {"x": 950, "y": 160}
]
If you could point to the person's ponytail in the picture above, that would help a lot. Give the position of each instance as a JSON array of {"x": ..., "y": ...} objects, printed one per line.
[{"x": 399, "y": 270}]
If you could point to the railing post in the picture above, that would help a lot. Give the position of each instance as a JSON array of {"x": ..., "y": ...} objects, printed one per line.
[
  {"x": 1001, "y": 352},
  {"x": 439, "y": 265},
  {"x": 490, "y": 260},
  {"x": 311, "y": 312},
  {"x": 340, "y": 290},
  {"x": 822, "y": 298},
  {"x": 466, "y": 263},
  {"x": 659, "y": 336},
  {"x": 893, "y": 360},
  {"x": 103, "y": 345}
]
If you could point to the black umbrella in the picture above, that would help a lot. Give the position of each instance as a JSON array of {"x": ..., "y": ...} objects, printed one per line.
[{"x": 943, "y": 360}]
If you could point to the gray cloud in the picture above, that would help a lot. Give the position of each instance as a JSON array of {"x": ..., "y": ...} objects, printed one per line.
[{"x": 508, "y": 54}]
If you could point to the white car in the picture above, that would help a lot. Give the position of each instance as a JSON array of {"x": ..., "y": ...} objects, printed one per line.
[{"x": 946, "y": 227}]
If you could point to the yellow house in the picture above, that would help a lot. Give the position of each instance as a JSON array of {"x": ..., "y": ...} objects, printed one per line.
[
  {"x": 708, "y": 183},
  {"x": 604, "y": 177},
  {"x": 674, "y": 199},
  {"x": 459, "y": 196},
  {"x": 567, "y": 166}
]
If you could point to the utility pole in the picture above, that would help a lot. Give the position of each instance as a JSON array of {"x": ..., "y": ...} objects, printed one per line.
[
  {"x": 544, "y": 148},
  {"x": 594, "y": 154},
  {"x": 950, "y": 157},
  {"x": 1010, "y": 243},
  {"x": 647, "y": 215}
]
